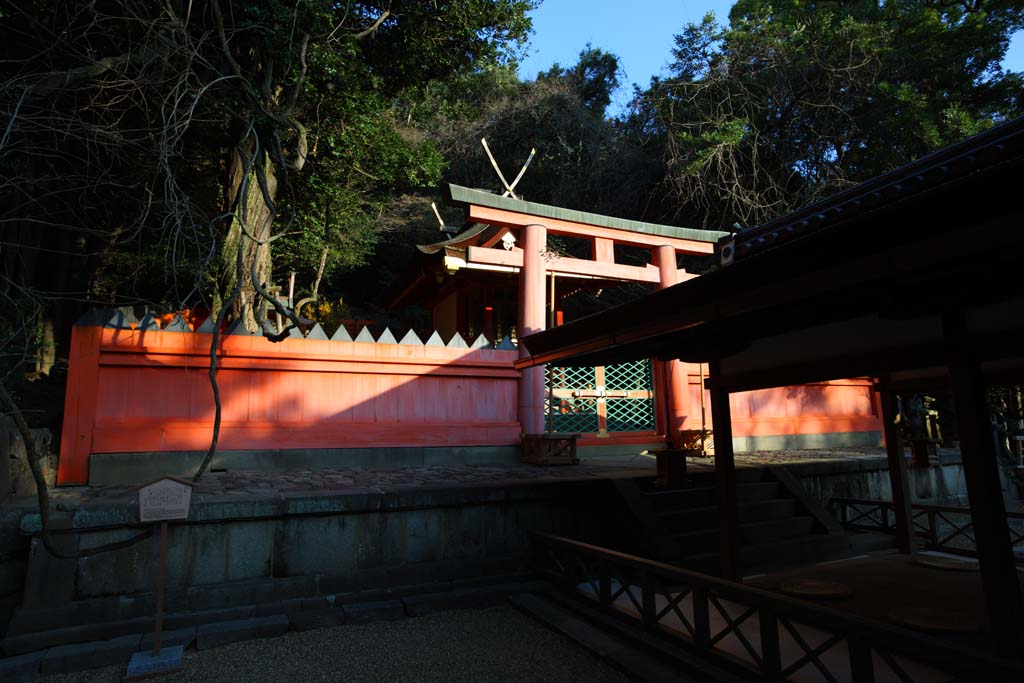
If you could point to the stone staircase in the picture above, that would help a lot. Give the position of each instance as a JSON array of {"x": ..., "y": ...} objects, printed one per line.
[{"x": 779, "y": 525}]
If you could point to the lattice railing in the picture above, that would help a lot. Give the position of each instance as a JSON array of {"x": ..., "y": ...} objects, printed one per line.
[
  {"x": 632, "y": 414},
  {"x": 566, "y": 412},
  {"x": 943, "y": 527},
  {"x": 617, "y": 398},
  {"x": 628, "y": 376},
  {"x": 754, "y": 632}
]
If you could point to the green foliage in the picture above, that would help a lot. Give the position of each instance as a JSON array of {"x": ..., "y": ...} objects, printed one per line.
[
  {"x": 594, "y": 78},
  {"x": 134, "y": 122},
  {"x": 562, "y": 115},
  {"x": 131, "y": 126},
  {"x": 793, "y": 100},
  {"x": 359, "y": 163}
]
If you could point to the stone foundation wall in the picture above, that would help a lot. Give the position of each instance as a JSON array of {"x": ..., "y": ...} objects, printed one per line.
[
  {"x": 940, "y": 483},
  {"x": 353, "y": 541},
  {"x": 16, "y": 479}
]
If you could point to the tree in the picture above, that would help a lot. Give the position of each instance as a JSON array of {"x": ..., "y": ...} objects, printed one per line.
[
  {"x": 594, "y": 78},
  {"x": 145, "y": 144},
  {"x": 154, "y": 151},
  {"x": 795, "y": 100},
  {"x": 561, "y": 114}
]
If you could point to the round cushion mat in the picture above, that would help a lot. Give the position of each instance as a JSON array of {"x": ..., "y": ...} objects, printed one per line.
[
  {"x": 815, "y": 589},
  {"x": 934, "y": 620},
  {"x": 950, "y": 564}
]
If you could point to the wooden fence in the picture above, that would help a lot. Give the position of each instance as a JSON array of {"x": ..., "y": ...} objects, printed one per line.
[
  {"x": 756, "y": 634},
  {"x": 942, "y": 527},
  {"x": 148, "y": 390},
  {"x": 134, "y": 387}
]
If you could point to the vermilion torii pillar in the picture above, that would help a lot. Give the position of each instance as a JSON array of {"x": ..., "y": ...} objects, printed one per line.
[
  {"x": 533, "y": 240},
  {"x": 676, "y": 391}
]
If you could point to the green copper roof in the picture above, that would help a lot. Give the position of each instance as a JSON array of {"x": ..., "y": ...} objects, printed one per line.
[{"x": 457, "y": 195}]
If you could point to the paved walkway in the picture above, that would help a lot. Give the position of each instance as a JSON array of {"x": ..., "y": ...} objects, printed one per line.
[
  {"x": 496, "y": 645},
  {"x": 258, "y": 483}
]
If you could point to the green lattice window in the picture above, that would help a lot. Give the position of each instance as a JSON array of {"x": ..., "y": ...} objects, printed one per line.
[
  {"x": 575, "y": 404},
  {"x": 568, "y": 413},
  {"x": 634, "y": 414},
  {"x": 629, "y": 376}
]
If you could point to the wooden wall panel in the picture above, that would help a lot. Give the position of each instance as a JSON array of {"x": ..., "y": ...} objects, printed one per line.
[
  {"x": 136, "y": 392},
  {"x": 133, "y": 391}
]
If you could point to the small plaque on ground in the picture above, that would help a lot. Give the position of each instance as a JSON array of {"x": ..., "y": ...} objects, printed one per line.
[
  {"x": 950, "y": 564},
  {"x": 147, "y": 664},
  {"x": 934, "y": 620},
  {"x": 166, "y": 498},
  {"x": 815, "y": 589}
]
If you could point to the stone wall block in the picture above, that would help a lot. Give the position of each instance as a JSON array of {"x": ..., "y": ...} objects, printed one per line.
[{"x": 320, "y": 545}]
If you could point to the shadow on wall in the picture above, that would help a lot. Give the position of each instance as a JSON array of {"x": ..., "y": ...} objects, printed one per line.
[{"x": 146, "y": 391}]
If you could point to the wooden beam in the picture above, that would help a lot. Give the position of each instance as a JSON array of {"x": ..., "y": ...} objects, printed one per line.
[
  {"x": 1002, "y": 346},
  {"x": 484, "y": 214},
  {"x": 898, "y": 478},
  {"x": 565, "y": 266},
  {"x": 725, "y": 478},
  {"x": 604, "y": 250},
  {"x": 1000, "y": 583}
]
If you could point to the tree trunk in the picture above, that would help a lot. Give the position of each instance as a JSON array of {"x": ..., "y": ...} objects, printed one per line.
[{"x": 251, "y": 209}]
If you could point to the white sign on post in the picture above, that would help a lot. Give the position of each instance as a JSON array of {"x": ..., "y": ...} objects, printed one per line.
[{"x": 166, "y": 498}]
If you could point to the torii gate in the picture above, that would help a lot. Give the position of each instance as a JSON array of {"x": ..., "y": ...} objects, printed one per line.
[{"x": 534, "y": 223}]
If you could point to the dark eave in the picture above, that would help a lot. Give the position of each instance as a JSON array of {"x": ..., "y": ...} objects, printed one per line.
[
  {"x": 949, "y": 238},
  {"x": 470, "y": 235},
  {"x": 971, "y": 155}
]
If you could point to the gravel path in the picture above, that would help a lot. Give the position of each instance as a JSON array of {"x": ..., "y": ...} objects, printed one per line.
[{"x": 498, "y": 644}]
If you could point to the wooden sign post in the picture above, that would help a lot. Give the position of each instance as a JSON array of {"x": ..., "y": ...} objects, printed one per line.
[{"x": 165, "y": 499}]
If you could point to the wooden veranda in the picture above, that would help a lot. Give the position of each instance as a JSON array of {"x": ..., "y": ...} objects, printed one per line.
[{"x": 912, "y": 278}]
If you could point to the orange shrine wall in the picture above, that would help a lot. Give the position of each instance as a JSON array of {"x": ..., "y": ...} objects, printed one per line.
[
  {"x": 846, "y": 405},
  {"x": 132, "y": 391},
  {"x": 135, "y": 391}
]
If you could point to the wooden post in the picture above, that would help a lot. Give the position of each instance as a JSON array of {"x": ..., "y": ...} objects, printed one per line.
[
  {"x": 531, "y": 319},
  {"x": 676, "y": 381},
  {"x": 725, "y": 475},
  {"x": 898, "y": 479},
  {"x": 601, "y": 402},
  {"x": 998, "y": 569},
  {"x": 701, "y": 618},
  {"x": 80, "y": 404},
  {"x": 862, "y": 664},
  {"x": 771, "y": 653},
  {"x": 161, "y": 578},
  {"x": 648, "y": 599},
  {"x": 604, "y": 580}
]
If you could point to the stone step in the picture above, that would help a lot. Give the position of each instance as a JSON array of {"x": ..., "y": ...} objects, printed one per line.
[
  {"x": 870, "y": 542},
  {"x": 705, "y": 496},
  {"x": 776, "y": 554},
  {"x": 752, "y": 533},
  {"x": 684, "y": 665},
  {"x": 692, "y": 519},
  {"x": 352, "y": 608},
  {"x": 632, "y": 660},
  {"x": 744, "y": 475}
]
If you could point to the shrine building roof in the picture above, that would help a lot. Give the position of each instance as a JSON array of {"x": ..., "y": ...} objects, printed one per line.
[{"x": 457, "y": 195}]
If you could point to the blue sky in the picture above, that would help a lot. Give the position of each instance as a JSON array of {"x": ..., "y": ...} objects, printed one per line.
[{"x": 639, "y": 32}]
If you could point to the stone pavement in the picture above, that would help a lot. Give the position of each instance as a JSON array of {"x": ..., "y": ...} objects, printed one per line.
[
  {"x": 476, "y": 646},
  {"x": 242, "y": 484}
]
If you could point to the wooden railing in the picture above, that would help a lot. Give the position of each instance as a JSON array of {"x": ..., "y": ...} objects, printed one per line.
[
  {"x": 757, "y": 634},
  {"x": 943, "y": 527}
]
